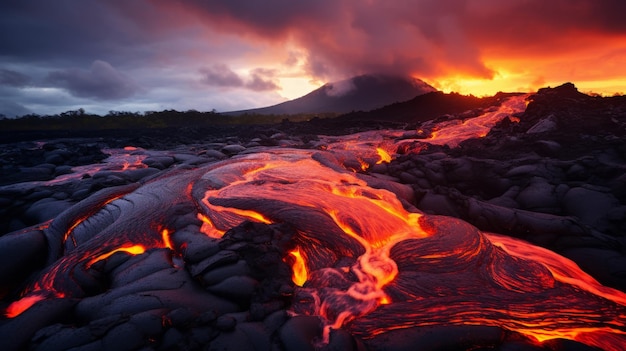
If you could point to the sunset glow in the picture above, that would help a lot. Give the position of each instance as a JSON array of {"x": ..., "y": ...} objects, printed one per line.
[{"x": 238, "y": 55}]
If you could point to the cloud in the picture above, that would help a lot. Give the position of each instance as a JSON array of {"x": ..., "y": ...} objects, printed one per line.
[
  {"x": 164, "y": 45},
  {"x": 13, "y": 79},
  {"x": 10, "y": 108},
  {"x": 349, "y": 37},
  {"x": 340, "y": 88},
  {"x": 101, "y": 81},
  {"x": 427, "y": 38},
  {"x": 220, "y": 75},
  {"x": 262, "y": 79}
]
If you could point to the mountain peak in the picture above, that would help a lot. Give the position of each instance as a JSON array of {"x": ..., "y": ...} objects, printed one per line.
[
  {"x": 361, "y": 93},
  {"x": 401, "y": 85}
]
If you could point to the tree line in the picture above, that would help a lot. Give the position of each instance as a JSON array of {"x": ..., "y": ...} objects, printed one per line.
[{"x": 81, "y": 120}]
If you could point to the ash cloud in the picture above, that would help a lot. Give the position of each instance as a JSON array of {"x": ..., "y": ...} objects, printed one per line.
[
  {"x": 101, "y": 81},
  {"x": 340, "y": 88}
]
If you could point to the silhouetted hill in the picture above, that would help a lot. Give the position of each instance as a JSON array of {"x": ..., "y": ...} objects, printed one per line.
[
  {"x": 361, "y": 93},
  {"x": 422, "y": 108}
]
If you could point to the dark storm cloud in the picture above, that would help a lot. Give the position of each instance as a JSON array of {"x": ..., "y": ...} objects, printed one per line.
[
  {"x": 339, "y": 37},
  {"x": 66, "y": 32},
  {"x": 220, "y": 75},
  {"x": 13, "y": 79},
  {"x": 55, "y": 43},
  {"x": 162, "y": 43},
  {"x": 47, "y": 30},
  {"x": 101, "y": 81},
  {"x": 10, "y": 108},
  {"x": 429, "y": 37}
]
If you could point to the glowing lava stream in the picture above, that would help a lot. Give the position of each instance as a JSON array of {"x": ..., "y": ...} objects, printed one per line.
[
  {"x": 405, "y": 269},
  {"x": 375, "y": 147},
  {"x": 364, "y": 262},
  {"x": 346, "y": 203},
  {"x": 456, "y": 131},
  {"x": 141, "y": 231}
]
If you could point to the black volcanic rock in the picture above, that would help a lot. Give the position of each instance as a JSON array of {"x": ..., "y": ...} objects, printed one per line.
[
  {"x": 361, "y": 93},
  {"x": 574, "y": 111}
]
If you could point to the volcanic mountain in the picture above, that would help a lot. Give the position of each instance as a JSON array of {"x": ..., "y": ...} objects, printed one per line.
[{"x": 360, "y": 93}]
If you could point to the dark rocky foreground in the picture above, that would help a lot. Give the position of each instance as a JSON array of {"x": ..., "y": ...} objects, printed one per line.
[{"x": 555, "y": 178}]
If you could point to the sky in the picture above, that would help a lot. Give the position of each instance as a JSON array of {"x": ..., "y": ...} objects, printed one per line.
[{"x": 224, "y": 55}]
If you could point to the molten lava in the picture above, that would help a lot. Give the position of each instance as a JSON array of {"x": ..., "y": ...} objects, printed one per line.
[
  {"x": 453, "y": 132},
  {"x": 133, "y": 250},
  {"x": 362, "y": 259},
  {"x": 384, "y": 155},
  {"x": 300, "y": 274},
  {"x": 17, "y": 307},
  {"x": 119, "y": 160},
  {"x": 373, "y": 266}
]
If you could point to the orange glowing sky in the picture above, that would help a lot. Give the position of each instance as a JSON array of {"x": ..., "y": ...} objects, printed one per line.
[{"x": 236, "y": 54}]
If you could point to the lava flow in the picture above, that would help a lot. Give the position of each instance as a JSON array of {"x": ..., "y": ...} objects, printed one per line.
[
  {"x": 374, "y": 267},
  {"x": 363, "y": 260},
  {"x": 453, "y": 132},
  {"x": 335, "y": 213}
]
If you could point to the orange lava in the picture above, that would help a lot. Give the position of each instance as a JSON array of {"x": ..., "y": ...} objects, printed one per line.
[
  {"x": 167, "y": 241},
  {"x": 133, "y": 250},
  {"x": 368, "y": 262},
  {"x": 453, "y": 132},
  {"x": 479, "y": 279},
  {"x": 562, "y": 269},
  {"x": 300, "y": 274},
  {"x": 373, "y": 218},
  {"x": 208, "y": 228},
  {"x": 18, "y": 307},
  {"x": 384, "y": 155}
]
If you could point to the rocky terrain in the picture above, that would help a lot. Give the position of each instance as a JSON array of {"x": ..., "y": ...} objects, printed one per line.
[{"x": 553, "y": 175}]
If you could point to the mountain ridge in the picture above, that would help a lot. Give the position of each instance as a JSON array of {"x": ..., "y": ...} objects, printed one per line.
[{"x": 360, "y": 93}]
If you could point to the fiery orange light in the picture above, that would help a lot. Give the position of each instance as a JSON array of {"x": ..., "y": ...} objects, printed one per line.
[
  {"x": 133, "y": 250},
  {"x": 300, "y": 274},
  {"x": 384, "y": 155},
  {"x": 208, "y": 227},
  {"x": 453, "y": 132},
  {"x": 167, "y": 241},
  {"x": 18, "y": 307}
]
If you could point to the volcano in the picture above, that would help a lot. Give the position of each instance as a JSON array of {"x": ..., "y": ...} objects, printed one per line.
[
  {"x": 360, "y": 93},
  {"x": 500, "y": 228}
]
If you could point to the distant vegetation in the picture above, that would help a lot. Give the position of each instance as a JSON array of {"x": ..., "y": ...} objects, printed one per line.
[{"x": 80, "y": 120}]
